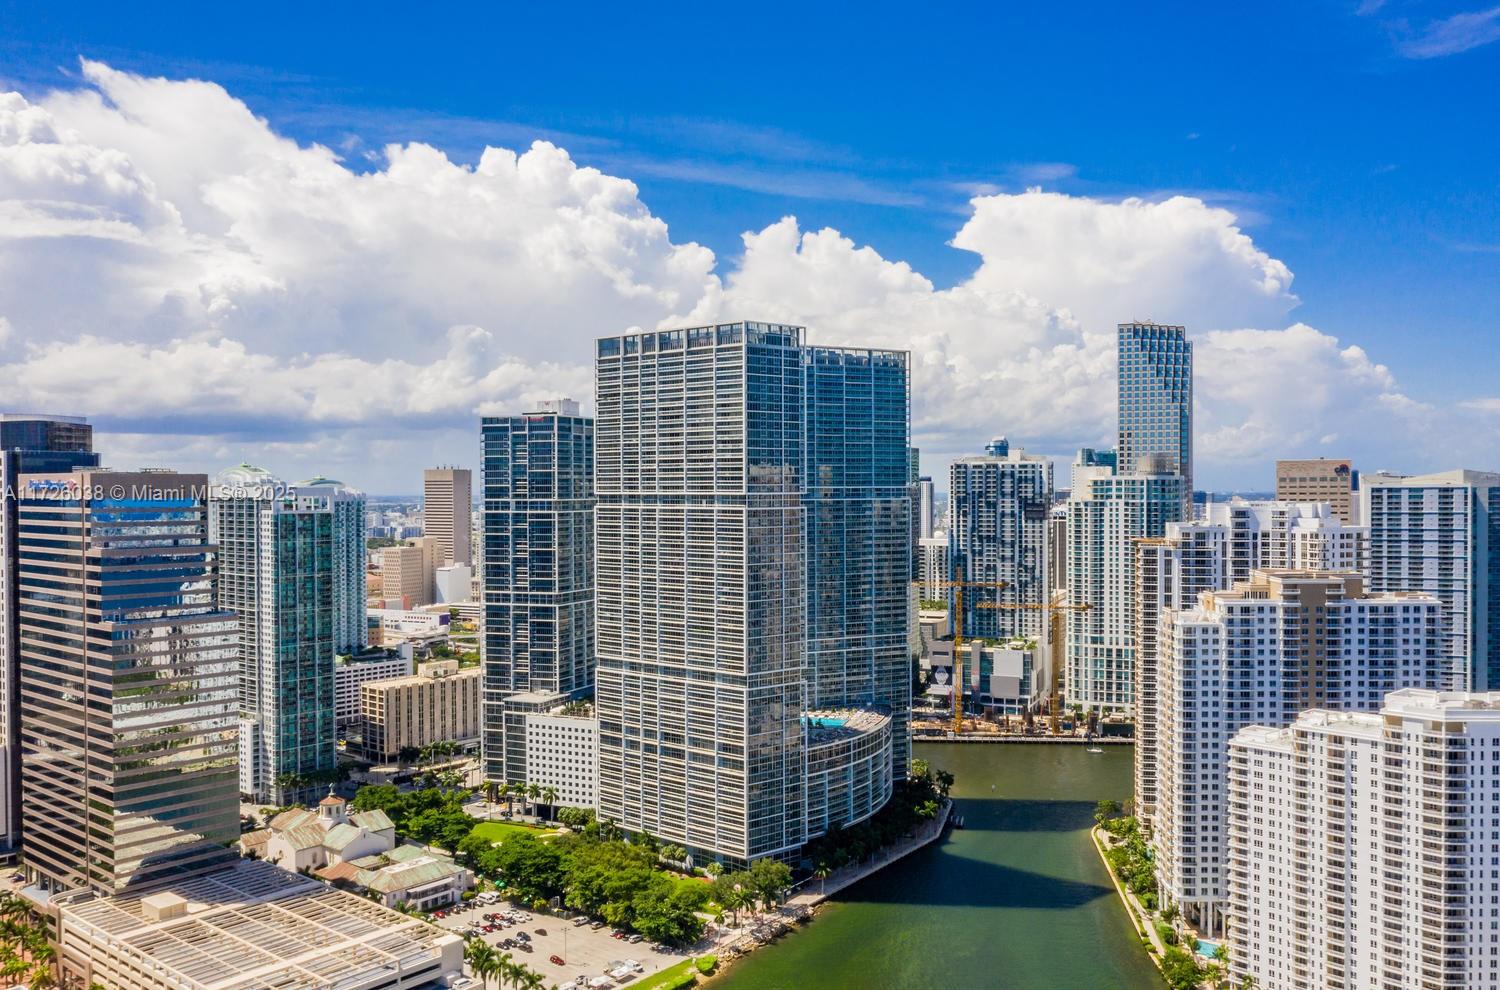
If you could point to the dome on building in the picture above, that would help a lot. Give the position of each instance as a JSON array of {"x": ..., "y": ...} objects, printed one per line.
[{"x": 245, "y": 476}]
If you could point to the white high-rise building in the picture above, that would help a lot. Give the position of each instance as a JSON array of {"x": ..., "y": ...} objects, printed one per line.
[
  {"x": 1232, "y": 540},
  {"x": 1105, "y": 518},
  {"x": 926, "y": 509},
  {"x": 1274, "y": 646},
  {"x": 1441, "y": 533},
  {"x": 1362, "y": 847},
  {"x": 932, "y": 559}
]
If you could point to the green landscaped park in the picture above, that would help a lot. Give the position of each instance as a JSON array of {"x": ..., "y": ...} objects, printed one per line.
[{"x": 496, "y": 831}]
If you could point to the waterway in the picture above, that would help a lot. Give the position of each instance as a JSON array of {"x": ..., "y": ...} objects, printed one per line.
[{"x": 1018, "y": 900}]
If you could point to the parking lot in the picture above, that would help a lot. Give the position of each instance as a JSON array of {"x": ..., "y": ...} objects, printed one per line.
[{"x": 585, "y": 951}]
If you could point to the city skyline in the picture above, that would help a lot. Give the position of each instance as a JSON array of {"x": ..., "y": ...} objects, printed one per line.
[{"x": 1310, "y": 316}]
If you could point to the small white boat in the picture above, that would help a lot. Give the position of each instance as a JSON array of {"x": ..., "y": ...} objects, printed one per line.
[{"x": 1094, "y": 749}]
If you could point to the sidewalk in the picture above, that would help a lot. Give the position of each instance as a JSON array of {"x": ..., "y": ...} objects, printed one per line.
[{"x": 856, "y": 872}]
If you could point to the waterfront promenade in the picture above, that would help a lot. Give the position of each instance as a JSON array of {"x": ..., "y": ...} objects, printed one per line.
[{"x": 826, "y": 887}]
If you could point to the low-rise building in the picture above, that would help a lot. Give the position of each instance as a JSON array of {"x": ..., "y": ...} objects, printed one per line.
[
  {"x": 1362, "y": 847},
  {"x": 351, "y": 672},
  {"x": 439, "y": 703},
  {"x": 248, "y": 926},
  {"x": 300, "y": 839},
  {"x": 408, "y": 875},
  {"x": 562, "y": 754}
]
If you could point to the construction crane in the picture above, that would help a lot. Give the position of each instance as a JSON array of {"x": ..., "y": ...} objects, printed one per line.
[
  {"x": 958, "y": 585},
  {"x": 1055, "y": 610}
]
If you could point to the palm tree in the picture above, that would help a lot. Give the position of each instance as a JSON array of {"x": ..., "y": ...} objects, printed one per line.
[
  {"x": 533, "y": 791},
  {"x": 821, "y": 872},
  {"x": 482, "y": 958},
  {"x": 549, "y": 798},
  {"x": 1221, "y": 967},
  {"x": 503, "y": 791},
  {"x": 506, "y": 968}
]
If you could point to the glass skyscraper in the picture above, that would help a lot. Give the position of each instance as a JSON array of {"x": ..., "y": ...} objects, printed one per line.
[
  {"x": 27, "y": 444},
  {"x": 129, "y": 679},
  {"x": 702, "y": 604},
  {"x": 538, "y": 553},
  {"x": 1156, "y": 401},
  {"x": 753, "y": 559},
  {"x": 858, "y": 500},
  {"x": 290, "y": 567}
]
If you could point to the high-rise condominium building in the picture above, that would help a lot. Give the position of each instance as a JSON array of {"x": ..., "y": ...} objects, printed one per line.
[
  {"x": 1089, "y": 463},
  {"x": 291, "y": 568},
  {"x": 538, "y": 546},
  {"x": 28, "y": 444},
  {"x": 1156, "y": 401},
  {"x": 934, "y": 567},
  {"x": 1274, "y": 646},
  {"x": 1362, "y": 847},
  {"x": 926, "y": 508},
  {"x": 1171, "y": 572},
  {"x": 722, "y": 607},
  {"x": 129, "y": 679},
  {"x": 1212, "y": 553},
  {"x": 1440, "y": 533},
  {"x": 856, "y": 497},
  {"x": 1320, "y": 480},
  {"x": 1105, "y": 517},
  {"x": 448, "y": 513},
  {"x": 999, "y": 505}
]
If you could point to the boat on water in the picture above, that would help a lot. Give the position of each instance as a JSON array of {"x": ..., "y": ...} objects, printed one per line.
[{"x": 1094, "y": 749}]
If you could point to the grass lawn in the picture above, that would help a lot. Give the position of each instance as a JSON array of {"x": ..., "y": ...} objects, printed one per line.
[
  {"x": 684, "y": 974},
  {"x": 495, "y": 831}
]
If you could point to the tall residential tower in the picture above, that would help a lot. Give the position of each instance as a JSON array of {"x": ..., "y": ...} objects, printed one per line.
[
  {"x": 1440, "y": 533},
  {"x": 538, "y": 594},
  {"x": 291, "y": 567},
  {"x": 753, "y": 544},
  {"x": 999, "y": 506},
  {"x": 1156, "y": 401}
]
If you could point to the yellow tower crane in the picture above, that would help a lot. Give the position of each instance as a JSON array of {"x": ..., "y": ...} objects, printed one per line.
[
  {"x": 1055, "y": 610},
  {"x": 958, "y": 585}
]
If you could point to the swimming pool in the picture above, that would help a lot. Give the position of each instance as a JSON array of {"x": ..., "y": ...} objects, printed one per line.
[
  {"x": 1206, "y": 948},
  {"x": 828, "y": 723}
]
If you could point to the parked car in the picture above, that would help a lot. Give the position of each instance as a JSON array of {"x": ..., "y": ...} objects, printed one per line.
[
  {"x": 580, "y": 921},
  {"x": 597, "y": 925},
  {"x": 557, "y": 961},
  {"x": 633, "y": 939},
  {"x": 541, "y": 931}
]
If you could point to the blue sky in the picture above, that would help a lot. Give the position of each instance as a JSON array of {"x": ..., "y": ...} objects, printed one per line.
[{"x": 1359, "y": 143}]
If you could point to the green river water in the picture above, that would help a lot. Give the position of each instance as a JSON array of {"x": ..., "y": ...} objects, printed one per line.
[{"x": 1018, "y": 900}]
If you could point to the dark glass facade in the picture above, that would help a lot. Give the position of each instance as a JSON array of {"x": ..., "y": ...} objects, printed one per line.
[
  {"x": 128, "y": 680},
  {"x": 538, "y": 552}
]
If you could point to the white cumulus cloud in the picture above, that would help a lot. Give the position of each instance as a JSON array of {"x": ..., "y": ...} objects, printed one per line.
[{"x": 207, "y": 289}]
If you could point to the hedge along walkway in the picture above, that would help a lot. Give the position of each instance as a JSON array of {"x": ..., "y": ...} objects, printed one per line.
[{"x": 1140, "y": 918}]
